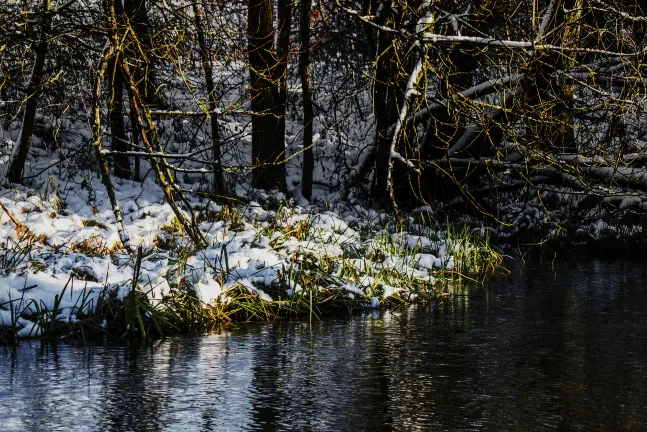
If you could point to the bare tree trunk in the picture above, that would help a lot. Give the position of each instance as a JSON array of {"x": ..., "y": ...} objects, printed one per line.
[
  {"x": 367, "y": 6},
  {"x": 383, "y": 109},
  {"x": 559, "y": 130},
  {"x": 268, "y": 153},
  {"x": 304, "y": 71},
  {"x": 284, "y": 20},
  {"x": 136, "y": 133},
  {"x": 18, "y": 157},
  {"x": 104, "y": 170},
  {"x": 5, "y": 79},
  {"x": 391, "y": 76},
  {"x": 218, "y": 181},
  {"x": 116, "y": 105},
  {"x": 550, "y": 98},
  {"x": 136, "y": 11}
]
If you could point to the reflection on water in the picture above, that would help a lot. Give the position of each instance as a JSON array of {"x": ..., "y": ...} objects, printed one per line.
[{"x": 548, "y": 348}]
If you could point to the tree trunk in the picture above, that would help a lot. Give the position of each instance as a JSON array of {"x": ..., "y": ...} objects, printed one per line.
[
  {"x": 116, "y": 106},
  {"x": 304, "y": 72},
  {"x": 5, "y": 79},
  {"x": 18, "y": 157},
  {"x": 384, "y": 107},
  {"x": 551, "y": 99},
  {"x": 393, "y": 68},
  {"x": 447, "y": 125},
  {"x": 566, "y": 108},
  {"x": 104, "y": 170},
  {"x": 136, "y": 11},
  {"x": 218, "y": 181},
  {"x": 268, "y": 153},
  {"x": 135, "y": 134},
  {"x": 284, "y": 20}
]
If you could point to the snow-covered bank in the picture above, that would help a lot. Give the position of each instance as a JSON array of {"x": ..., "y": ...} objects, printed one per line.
[{"x": 62, "y": 257}]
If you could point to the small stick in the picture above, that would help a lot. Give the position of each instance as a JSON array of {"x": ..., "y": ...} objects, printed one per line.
[{"x": 13, "y": 219}]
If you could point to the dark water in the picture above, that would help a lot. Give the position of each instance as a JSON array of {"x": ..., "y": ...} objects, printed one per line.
[{"x": 547, "y": 348}]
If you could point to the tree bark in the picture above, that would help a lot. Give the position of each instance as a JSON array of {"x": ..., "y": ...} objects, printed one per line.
[
  {"x": 284, "y": 20},
  {"x": 218, "y": 181},
  {"x": 551, "y": 98},
  {"x": 136, "y": 11},
  {"x": 385, "y": 106},
  {"x": 304, "y": 72},
  {"x": 16, "y": 164},
  {"x": 116, "y": 104},
  {"x": 268, "y": 153},
  {"x": 135, "y": 134},
  {"x": 104, "y": 170}
]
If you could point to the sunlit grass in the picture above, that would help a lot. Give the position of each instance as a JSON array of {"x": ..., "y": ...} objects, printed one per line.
[{"x": 379, "y": 267}]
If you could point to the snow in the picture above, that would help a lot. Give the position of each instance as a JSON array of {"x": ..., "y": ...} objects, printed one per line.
[
  {"x": 208, "y": 290},
  {"x": 30, "y": 292},
  {"x": 75, "y": 255},
  {"x": 427, "y": 261},
  {"x": 73, "y": 246},
  {"x": 5, "y": 317}
]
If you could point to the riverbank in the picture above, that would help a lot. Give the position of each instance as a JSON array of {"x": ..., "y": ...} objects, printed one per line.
[{"x": 66, "y": 274}]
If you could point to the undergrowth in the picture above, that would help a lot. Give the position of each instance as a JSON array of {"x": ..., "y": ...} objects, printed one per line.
[{"x": 369, "y": 268}]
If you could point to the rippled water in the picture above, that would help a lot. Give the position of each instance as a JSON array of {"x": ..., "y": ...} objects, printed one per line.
[{"x": 559, "y": 347}]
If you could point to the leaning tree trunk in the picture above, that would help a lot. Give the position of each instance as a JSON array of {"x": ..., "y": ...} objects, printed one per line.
[
  {"x": 152, "y": 143},
  {"x": 304, "y": 72},
  {"x": 218, "y": 181},
  {"x": 18, "y": 157},
  {"x": 268, "y": 153}
]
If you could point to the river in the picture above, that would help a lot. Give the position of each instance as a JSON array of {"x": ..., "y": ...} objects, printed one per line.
[{"x": 552, "y": 346}]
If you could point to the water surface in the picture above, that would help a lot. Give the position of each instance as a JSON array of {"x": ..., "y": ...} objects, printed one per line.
[{"x": 551, "y": 347}]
